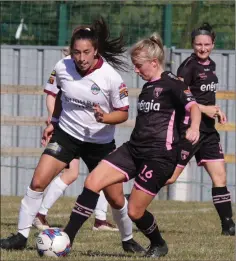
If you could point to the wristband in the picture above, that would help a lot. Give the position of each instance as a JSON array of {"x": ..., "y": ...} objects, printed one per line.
[{"x": 54, "y": 119}]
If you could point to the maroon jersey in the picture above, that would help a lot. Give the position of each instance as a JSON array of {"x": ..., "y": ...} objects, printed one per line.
[
  {"x": 202, "y": 82},
  {"x": 155, "y": 132}
]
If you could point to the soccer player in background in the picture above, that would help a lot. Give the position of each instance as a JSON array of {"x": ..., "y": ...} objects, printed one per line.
[
  {"x": 93, "y": 100},
  {"x": 199, "y": 72},
  {"x": 150, "y": 155}
]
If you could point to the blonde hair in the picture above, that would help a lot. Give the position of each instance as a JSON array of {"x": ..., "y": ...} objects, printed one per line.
[{"x": 148, "y": 49}]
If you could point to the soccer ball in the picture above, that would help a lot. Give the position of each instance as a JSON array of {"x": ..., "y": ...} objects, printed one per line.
[{"x": 53, "y": 242}]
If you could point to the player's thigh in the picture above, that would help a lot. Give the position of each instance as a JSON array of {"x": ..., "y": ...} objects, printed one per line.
[
  {"x": 138, "y": 203},
  {"x": 102, "y": 176},
  {"x": 217, "y": 172},
  {"x": 116, "y": 167},
  {"x": 59, "y": 152},
  {"x": 70, "y": 174},
  {"x": 210, "y": 150},
  {"x": 47, "y": 168},
  {"x": 62, "y": 146},
  {"x": 73, "y": 171},
  {"x": 92, "y": 154},
  {"x": 153, "y": 174}
]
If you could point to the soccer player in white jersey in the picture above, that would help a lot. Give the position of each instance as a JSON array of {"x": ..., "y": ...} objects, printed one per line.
[
  {"x": 92, "y": 100},
  {"x": 69, "y": 175}
]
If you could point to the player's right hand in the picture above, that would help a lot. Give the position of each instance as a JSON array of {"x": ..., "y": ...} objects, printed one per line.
[
  {"x": 192, "y": 135},
  {"x": 47, "y": 134}
]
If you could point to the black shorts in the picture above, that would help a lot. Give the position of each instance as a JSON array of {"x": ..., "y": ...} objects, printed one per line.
[
  {"x": 65, "y": 148},
  {"x": 150, "y": 175},
  {"x": 207, "y": 149}
]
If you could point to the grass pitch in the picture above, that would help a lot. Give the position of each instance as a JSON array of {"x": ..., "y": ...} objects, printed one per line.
[{"x": 192, "y": 231}]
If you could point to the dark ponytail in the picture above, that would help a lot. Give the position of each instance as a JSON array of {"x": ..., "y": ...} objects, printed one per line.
[
  {"x": 111, "y": 49},
  {"x": 204, "y": 29}
]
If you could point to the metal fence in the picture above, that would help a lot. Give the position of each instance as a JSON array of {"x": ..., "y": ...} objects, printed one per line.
[
  {"x": 23, "y": 110},
  {"x": 52, "y": 22}
]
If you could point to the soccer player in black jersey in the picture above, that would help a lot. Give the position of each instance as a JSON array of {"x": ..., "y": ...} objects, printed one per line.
[
  {"x": 150, "y": 155},
  {"x": 198, "y": 72}
]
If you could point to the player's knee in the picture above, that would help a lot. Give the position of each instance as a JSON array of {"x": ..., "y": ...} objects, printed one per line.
[
  {"x": 117, "y": 202},
  {"x": 92, "y": 184},
  {"x": 69, "y": 176},
  {"x": 134, "y": 212},
  {"x": 219, "y": 179},
  {"x": 37, "y": 184}
]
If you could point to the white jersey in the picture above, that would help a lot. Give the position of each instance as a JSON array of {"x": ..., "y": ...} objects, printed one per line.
[{"x": 103, "y": 86}]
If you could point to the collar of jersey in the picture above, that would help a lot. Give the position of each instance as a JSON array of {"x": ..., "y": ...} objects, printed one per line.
[
  {"x": 196, "y": 58},
  {"x": 98, "y": 65}
]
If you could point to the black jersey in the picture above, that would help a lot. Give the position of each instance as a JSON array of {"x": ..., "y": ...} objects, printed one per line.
[
  {"x": 155, "y": 132},
  {"x": 202, "y": 82}
]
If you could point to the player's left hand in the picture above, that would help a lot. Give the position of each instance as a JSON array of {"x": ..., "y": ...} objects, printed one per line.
[
  {"x": 48, "y": 121},
  {"x": 170, "y": 181},
  {"x": 192, "y": 135},
  {"x": 98, "y": 113},
  {"x": 221, "y": 117},
  {"x": 47, "y": 134}
]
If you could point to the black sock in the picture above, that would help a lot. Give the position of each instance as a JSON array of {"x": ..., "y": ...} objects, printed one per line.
[
  {"x": 222, "y": 202},
  {"x": 84, "y": 207},
  {"x": 148, "y": 226}
]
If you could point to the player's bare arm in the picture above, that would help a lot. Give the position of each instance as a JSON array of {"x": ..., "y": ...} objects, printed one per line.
[
  {"x": 114, "y": 117},
  {"x": 50, "y": 103},
  {"x": 192, "y": 134}
]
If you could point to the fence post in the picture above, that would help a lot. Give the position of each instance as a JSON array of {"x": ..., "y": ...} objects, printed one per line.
[
  {"x": 62, "y": 24},
  {"x": 167, "y": 25}
]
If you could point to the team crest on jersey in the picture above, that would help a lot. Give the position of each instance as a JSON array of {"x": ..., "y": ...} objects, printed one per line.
[
  {"x": 184, "y": 154},
  {"x": 157, "y": 91},
  {"x": 52, "y": 77},
  {"x": 95, "y": 89},
  {"x": 53, "y": 73},
  {"x": 123, "y": 91}
]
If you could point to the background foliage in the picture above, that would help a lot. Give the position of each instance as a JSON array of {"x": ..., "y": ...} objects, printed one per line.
[{"x": 135, "y": 18}]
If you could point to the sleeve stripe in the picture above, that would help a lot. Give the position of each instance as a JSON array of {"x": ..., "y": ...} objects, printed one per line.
[
  {"x": 50, "y": 93},
  {"x": 188, "y": 105},
  {"x": 126, "y": 108}
]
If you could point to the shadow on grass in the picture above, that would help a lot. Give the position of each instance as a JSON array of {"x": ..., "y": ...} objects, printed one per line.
[
  {"x": 92, "y": 253},
  {"x": 8, "y": 224},
  {"x": 172, "y": 231}
]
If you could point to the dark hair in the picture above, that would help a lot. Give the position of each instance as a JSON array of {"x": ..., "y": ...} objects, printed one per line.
[
  {"x": 99, "y": 35},
  {"x": 205, "y": 29}
]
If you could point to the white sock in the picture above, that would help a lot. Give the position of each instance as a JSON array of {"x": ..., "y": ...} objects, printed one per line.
[
  {"x": 55, "y": 190},
  {"x": 30, "y": 205},
  {"x": 123, "y": 222},
  {"x": 101, "y": 208}
]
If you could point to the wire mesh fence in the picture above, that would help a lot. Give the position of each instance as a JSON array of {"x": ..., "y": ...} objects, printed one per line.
[{"x": 51, "y": 22}]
